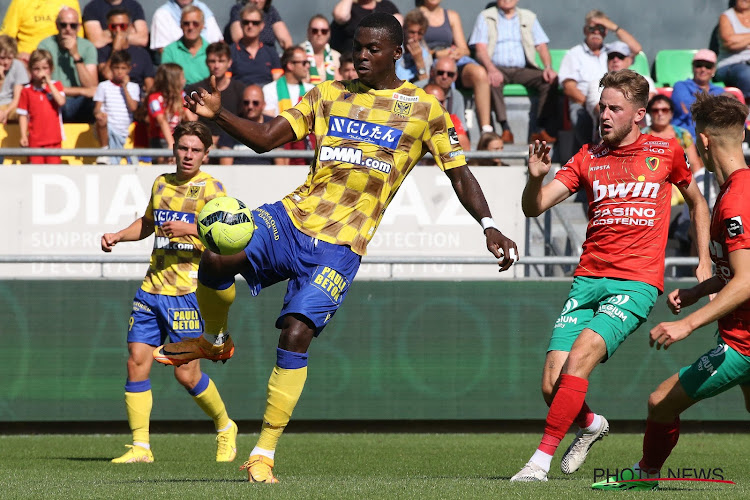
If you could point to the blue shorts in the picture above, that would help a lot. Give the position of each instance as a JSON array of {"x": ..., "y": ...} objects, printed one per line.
[
  {"x": 319, "y": 273},
  {"x": 155, "y": 317}
]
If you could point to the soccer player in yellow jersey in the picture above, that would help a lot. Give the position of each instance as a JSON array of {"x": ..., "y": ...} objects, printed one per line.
[
  {"x": 370, "y": 132},
  {"x": 166, "y": 305}
]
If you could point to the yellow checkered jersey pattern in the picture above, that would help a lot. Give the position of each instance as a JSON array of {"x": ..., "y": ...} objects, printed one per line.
[
  {"x": 174, "y": 261},
  {"x": 367, "y": 141}
]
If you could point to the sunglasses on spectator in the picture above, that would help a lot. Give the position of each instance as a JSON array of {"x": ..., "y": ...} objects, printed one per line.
[
  {"x": 118, "y": 26},
  {"x": 599, "y": 27},
  {"x": 319, "y": 31},
  {"x": 73, "y": 26},
  {"x": 191, "y": 24},
  {"x": 449, "y": 74},
  {"x": 304, "y": 63},
  {"x": 615, "y": 55},
  {"x": 703, "y": 64},
  {"x": 657, "y": 111},
  {"x": 251, "y": 103},
  {"x": 247, "y": 22}
]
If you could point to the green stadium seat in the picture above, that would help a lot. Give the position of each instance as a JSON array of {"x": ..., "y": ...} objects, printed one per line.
[
  {"x": 672, "y": 66},
  {"x": 640, "y": 64},
  {"x": 516, "y": 89}
]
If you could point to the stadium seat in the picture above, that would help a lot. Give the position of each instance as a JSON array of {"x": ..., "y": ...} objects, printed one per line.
[
  {"x": 672, "y": 66},
  {"x": 516, "y": 89},
  {"x": 640, "y": 64},
  {"x": 667, "y": 91}
]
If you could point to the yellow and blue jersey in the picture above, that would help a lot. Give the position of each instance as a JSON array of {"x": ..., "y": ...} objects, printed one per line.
[
  {"x": 367, "y": 141},
  {"x": 173, "y": 269}
]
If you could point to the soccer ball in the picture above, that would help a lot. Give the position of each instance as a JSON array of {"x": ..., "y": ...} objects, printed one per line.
[{"x": 225, "y": 225}]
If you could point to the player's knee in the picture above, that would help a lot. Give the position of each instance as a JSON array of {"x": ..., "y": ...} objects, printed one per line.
[
  {"x": 297, "y": 332},
  {"x": 656, "y": 406}
]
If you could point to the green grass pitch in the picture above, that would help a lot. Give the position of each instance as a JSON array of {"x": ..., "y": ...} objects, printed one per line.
[{"x": 348, "y": 466}]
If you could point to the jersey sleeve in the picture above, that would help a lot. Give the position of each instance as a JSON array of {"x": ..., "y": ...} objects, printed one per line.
[
  {"x": 302, "y": 116},
  {"x": 100, "y": 92},
  {"x": 441, "y": 139},
  {"x": 154, "y": 105},
  {"x": 23, "y": 103},
  {"x": 680, "y": 175},
  {"x": 149, "y": 214},
  {"x": 214, "y": 189},
  {"x": 570, "y": 173},
  {"x": 735, "y": 213}
]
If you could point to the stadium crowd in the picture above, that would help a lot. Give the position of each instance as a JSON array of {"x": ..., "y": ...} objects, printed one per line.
[{"x": 183, "y": 44}]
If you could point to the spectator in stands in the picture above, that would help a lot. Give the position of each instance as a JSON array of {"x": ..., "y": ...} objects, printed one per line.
[
  {"x": 346, "y": 68},
  {"x": 166, "y": 27},
  {"x": 463, "y": 138},
  {"x": 324, "y": 61},
  {"x": 31, "y": 21},
  {"x": 587, "y": 62},
  {"x": 683, "y": 95},
  {"x": 115, "y": 101},
  {"x": 13, "y": 77},
  {"x": 287, "y": 91},
  {"x": 490, "y": 141},
  {"x": 218, "y": 61},
  {"x": 190, "y": 50},
  {"x": 96, "y": 21},
  {"x": 165, "y": 109},
  {"x": 74, "y": 66},
  {"x": 252, "y": 61},
  {"x": 39, "y": 108},
  {"x": 618, "y": 57},
  {"x": 414, "y": 66},
  {"x": 444, "y": 73},
  {"x": 274, "y": 28},
  {"x": 348, "y": 13},
  {"x": 252, "y": 109},
  {"x": 142, "y": 69},
  {"x": 661, "y": 110},
  {"x": 445, "y": 38},
  {"x": 507, "y": 40},
  {"x": 733, "y": 67}
]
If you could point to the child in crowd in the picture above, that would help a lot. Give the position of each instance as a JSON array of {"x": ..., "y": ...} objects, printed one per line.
[
  {"x": 39, "y": 116},
  {"x": 13, "y": 77},
  {"x": 490, "y": 141},
  {"x": 165, "y": 109},
  {"x": 115, "y": 101}
]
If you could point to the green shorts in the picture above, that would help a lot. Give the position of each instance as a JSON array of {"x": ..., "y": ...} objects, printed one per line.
[
  {"x": 718, "y": 370},
  {"x": 613, "y": 308}
]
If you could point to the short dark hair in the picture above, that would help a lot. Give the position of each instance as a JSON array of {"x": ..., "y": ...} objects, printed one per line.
[
  {"x": 632, "y": 85},
  {"x": 198, "y": 129},
  {"x": 120, "y": 57},
  {"x": 288, "y": 55},
  {"x": 117, "y": 11},
  {"x": 220, "y": 48},
  {"x": 660, "y": 98},
  {"x": 346, "y": 58},
  {"x": 386, "y": 23},
  {"x": 718, "y": 111}
]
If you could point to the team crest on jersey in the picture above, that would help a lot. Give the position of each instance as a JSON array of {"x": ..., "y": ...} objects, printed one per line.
[
  {"x": 734, "y": 226},
  {"x": 193, "y": 192},
  {"x": 402, "y": 108},
  {"x": 652, "y": 162}
]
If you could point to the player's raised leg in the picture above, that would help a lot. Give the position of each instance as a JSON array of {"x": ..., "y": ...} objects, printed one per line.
[
  {"x": 138, "y": 403},
  {"x": 206, "y": 395}
]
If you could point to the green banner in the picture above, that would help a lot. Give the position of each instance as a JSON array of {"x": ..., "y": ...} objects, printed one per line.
[{"x": 395, "y": 350}]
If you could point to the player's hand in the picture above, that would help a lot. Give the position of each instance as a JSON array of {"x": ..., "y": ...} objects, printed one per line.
[
  {"x": 177, "y": 228},
  {"x": 539, "y": 159},
  {"x": 680, "y": 298},
  {"x": 109, "y": 240},
  {"x": 503, "y": 248},
  {"x": 703, "y": 271},
  {"x": 204, "y": 103},
  {"x": 667, "y": 333},
  {"x": 23, "y": 141}
]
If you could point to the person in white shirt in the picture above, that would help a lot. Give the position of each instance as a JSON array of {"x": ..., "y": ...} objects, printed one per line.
[{"x": 166, "y": 28}]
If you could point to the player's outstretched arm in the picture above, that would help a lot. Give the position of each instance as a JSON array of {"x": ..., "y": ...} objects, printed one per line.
[
  {"x": 537, "y": 198},
  {"x": 686, "y": 297},
  {"x": 472, "y": 198},
  {"x": 701, "y": 221},
  {"x": 138, "y": 230},
  {"x": 261, "y": 137}
]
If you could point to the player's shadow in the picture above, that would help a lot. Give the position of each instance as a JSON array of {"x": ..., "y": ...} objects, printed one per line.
[
  {"x": 81, "y": 459},
  {"x": 186, "y": 480}
]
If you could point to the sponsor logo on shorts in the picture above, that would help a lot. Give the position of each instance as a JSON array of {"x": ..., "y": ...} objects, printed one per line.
[
  {"x": 331, "y": 282},
  {"x": 269, "y": 222},
  {"x": 564, "y": 319},
  {"x": 185, "y": 320},
  {"x": 734, "y": 226},
  {"x": 612, "y": 311},
  {"x": 353, "y": 156},
  {"x": 357, "y": 130},
  {"x": 618, "y": 299},
  {"x": 140, "y": 306},
  {"x": 704, "y": 364},
  {"x": 162, "y": 216}
]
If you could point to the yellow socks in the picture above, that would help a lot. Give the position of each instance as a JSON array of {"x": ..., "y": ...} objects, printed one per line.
[
  {"x": 138, "y": 402},
  {"x": 207, "y": 397}
]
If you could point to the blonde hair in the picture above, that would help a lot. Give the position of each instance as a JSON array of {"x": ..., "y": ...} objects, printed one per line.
[
  {"x": 632, "y": 85},
  {"x": 8, "y": 45},
  {"x": 41, "y": 55}
]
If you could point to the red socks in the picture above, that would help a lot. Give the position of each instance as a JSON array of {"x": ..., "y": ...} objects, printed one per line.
[
  {"x": 568, "y": 404},
  {"x": 658, "y": 442},
  {"x": 585, "y": 417}
]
